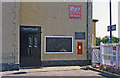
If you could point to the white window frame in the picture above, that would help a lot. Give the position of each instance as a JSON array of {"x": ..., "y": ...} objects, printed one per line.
[{"x": 57, "y": 37}]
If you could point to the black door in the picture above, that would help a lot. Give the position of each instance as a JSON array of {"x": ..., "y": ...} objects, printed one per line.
[{"x": 30, "y": 46}]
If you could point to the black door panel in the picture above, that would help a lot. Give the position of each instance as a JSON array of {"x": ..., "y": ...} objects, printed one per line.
[{"x": 30, "y": 46}]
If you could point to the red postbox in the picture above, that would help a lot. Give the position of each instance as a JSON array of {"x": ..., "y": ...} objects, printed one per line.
[{"x": 79, "y": 47}]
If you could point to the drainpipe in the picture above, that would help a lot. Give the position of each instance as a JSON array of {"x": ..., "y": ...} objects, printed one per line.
[{"x": 87, "y": 32}]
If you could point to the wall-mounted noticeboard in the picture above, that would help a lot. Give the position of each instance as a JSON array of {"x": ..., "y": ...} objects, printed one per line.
[{"x": 79, "y": 35}]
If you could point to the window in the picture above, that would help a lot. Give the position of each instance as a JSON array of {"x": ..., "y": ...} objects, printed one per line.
[{"x": 58, "y": 44}]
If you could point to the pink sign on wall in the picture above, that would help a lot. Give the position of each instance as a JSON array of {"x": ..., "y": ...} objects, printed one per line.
[{"x": 74, "y": 11}]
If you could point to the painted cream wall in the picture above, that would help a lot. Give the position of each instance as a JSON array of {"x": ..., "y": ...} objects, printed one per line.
[
  {"x": 10, "y": 24},
  {"x": 94, "y": 34},
  {"x": 54, "y": 20}
]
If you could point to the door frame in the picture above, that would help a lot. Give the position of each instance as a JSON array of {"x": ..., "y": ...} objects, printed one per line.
[{"x": 20, "y": 45}]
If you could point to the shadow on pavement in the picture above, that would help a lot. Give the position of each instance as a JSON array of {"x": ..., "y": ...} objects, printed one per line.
[
  {"x": 108, "y": 75},
  {"x": 84, "y": 68},
  {"x": 20, "y": 73}
]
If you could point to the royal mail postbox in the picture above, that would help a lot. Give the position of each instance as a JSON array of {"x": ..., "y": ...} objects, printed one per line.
[{"x": 79, "y": 47}]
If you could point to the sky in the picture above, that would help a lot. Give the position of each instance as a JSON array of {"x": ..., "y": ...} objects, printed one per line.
[{"x": 102, "y": 13}]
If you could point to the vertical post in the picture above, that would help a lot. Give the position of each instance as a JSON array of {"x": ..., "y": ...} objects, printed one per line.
[
  {"x": 110, "y": 23},
  {"x": 117, "y": 56},
  {"x": 101, "y": 60},
  {"x": 111, "y": 32},
  {"x": 93, "y": 58},
  {"x": 111, "y": 52},
  {"x": 92, "y": 55},
  {"x": 87, "y": 30}
]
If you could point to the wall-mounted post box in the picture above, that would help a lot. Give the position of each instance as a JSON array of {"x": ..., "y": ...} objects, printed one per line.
[{"x": 79, "y": 47}]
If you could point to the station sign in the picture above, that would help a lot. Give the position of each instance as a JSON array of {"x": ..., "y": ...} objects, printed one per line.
[
  {"x": 74, "y": 11},
  {"x": 113, "y": 28}
]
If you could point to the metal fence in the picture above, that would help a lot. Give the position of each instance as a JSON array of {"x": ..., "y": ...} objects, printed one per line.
[{"x": 107, "y": 54}]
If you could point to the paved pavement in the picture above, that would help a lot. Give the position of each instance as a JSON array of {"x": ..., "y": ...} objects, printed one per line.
[{"x": 54, "y": 71}]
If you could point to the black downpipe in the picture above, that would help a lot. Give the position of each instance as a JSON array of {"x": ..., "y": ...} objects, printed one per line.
[{"x": 87, "y": 32}]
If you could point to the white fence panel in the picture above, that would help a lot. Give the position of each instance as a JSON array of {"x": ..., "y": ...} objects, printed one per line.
[{"x": 109, "y": 54}]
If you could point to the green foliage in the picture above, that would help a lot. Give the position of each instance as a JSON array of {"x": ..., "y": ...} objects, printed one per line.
[
  {"x": 115, "y": 39},
  {"x": 106, "y": 39},
  {"x": 98, "y": 40}
]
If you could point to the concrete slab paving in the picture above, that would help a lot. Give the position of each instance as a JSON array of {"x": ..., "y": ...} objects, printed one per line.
[{"x": 53, "y": 71}]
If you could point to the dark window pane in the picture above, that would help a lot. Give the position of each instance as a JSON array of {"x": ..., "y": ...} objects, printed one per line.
[{"x": 55, "y": 44}]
